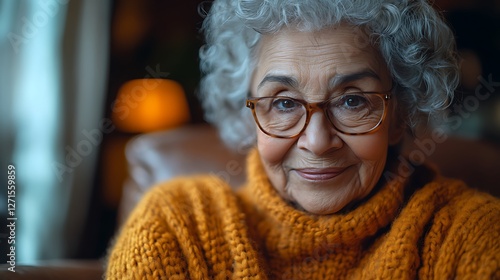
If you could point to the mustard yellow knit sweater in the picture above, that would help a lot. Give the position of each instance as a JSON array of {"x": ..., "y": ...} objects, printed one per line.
[{"x": 198, "y": 228}]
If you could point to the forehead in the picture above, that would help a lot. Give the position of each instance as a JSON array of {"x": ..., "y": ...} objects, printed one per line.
[{"x": 328, "y": 52}]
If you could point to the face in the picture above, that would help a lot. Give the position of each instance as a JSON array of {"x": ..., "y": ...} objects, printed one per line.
[{"x": 322, "y": 170}]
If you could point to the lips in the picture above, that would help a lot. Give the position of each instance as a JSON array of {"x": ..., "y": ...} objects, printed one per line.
[{"x": 319, "y": 174}]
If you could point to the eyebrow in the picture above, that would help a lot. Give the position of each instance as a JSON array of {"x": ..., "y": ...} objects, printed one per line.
[
  {"x": 341, "y": 79},
  {"x": 281, "y": 79},
  {"x": 334, "y": 82}
]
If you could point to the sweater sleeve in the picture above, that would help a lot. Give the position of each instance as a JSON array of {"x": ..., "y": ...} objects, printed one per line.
[{"x": 146, "y": 247}]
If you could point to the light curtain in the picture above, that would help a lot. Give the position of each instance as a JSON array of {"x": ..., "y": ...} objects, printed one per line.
[{"x": 53, "y": 72}]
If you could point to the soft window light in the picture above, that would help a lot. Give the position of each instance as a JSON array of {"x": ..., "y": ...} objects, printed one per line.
[{"x": 146, "y": 105}]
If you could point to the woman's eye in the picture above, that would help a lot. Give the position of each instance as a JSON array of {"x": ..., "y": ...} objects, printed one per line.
[
  {"x": 284, "y": 104},
  {"x": 354, "y": 101}
]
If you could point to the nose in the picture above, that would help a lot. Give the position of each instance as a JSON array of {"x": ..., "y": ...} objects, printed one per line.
[{"x": 320, "y": 136}]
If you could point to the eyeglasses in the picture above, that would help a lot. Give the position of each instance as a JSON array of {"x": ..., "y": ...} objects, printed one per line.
[{"x": 352, "y": 113}]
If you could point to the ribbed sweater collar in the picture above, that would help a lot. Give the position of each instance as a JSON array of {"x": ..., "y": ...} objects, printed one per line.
[{"x": 293, "y": 229}]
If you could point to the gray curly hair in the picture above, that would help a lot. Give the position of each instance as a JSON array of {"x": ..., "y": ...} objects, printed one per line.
[{"x": 417, "y": 45}]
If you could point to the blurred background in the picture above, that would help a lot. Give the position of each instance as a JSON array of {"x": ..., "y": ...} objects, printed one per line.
[{"x": 73, "y": 94}]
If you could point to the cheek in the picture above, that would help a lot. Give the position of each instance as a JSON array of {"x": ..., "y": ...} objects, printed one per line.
[
  {"x": 371, "y": 152},
  {"x": 370, "y": 147},
  {"x": 272, "y": 150}
]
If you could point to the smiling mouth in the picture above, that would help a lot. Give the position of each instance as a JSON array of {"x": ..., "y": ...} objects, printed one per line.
[{"x": 319, "y": 174}]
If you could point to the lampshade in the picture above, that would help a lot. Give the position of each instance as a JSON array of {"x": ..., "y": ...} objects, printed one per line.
[{"x": 146, "y": 105}]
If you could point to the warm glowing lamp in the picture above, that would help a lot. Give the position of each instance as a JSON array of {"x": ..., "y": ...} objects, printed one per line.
[
  {"x": 142, "y": 105},
  {"x": 146, "y": 105}
]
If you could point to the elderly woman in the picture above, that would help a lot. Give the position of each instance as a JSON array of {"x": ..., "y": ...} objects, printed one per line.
[{"x": 330, "y": 86}]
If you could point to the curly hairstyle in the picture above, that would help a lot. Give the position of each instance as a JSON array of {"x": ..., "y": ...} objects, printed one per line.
[{"x": 417, "y": 45}]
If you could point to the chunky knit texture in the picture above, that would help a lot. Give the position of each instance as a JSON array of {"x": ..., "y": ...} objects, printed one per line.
[{"x": 198, "y": 228}]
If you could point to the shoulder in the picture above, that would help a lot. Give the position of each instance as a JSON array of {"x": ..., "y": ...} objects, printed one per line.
[
  {"x": 468, "y": 203},
  {"x": 468, "y": 223},
  {"x": 185, "y": 194},
  {"x": 171, "y": 219},
  {"x": 474, "y": 235},
  {"x": 476, "y": 214},
  {"x": 462, "y": 203},
  {"x": 190, "y": 184},
  {"x": 181, "y": 203}
]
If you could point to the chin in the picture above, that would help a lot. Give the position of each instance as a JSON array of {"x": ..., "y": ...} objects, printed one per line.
[{"x": 322, "y": 206}]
